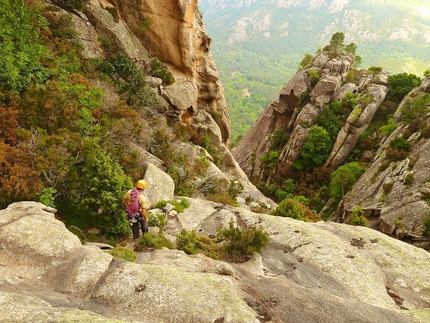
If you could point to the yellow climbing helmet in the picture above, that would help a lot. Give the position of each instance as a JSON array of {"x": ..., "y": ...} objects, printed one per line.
[{"x": 141, "y": 184}]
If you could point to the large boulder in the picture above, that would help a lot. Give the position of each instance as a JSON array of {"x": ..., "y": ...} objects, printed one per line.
[{"x": 309, "y": 272}]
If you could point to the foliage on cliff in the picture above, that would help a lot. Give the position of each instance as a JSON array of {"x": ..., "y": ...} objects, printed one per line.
[{"x": 67, "y": 121}]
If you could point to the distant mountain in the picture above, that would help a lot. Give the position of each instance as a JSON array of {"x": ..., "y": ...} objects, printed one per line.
[{"x": 258, "y": 44}]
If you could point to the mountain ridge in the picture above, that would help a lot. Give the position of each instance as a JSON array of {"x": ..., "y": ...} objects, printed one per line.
[{"x": 392, "y": 35}]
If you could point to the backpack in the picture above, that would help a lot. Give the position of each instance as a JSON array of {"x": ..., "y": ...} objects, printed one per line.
[{"x": 133, "y": 208}]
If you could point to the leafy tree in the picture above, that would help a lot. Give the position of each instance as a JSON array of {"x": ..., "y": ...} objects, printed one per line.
[
  {"x": 336, "y": 42},
  {"x": 316, "y": 147},
  {"x": 98, "y": 189},
  {"x": 343, "y": 179},
  {"x": 329, "y": 120},
  {"x": 306, "y": 61},
  {"x": 357, "y": 61},
  {"x": 402, "y": 84},
  {"x": 21, "y": 51},
  {"x": 415, "y": 109},
  {"x": 351, "y": 48}
]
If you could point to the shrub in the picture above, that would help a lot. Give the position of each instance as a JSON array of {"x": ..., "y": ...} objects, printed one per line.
[
  {"x": 240, "y": 244},
  {"x": 387, "y": 187},
  {"x": 279, "y": 138},
  {"x": 315, "y": 76},
  {"x": 388, "y": 128},
  {"x": 20, "y": 57},
  {"x": 129, "y": 79},
  {"x": 329, "y": 120},
  {"x": 357, "y": 217},
  {"x": 70, "y": 5},
  {"x": 123, "y": 253},
  {"x": 193, "y": 243},
  {"x": 409, "y": 179},
  {"x": 415, "y": 109},
  {"x": 397, "y": 149},
  {"x": 400, "y": 143},
  {"x": 157, "y": 69},
  {"x": 271, "y": 159},
  {"x": 178, "y": 206},
  {"x": 306, "y": 61},
  {"x": 157, "y": 220},
  {"x": 47, "y": 196},
  {"x": 290, "y": 208},
  {"x": 153, "y": 240}
]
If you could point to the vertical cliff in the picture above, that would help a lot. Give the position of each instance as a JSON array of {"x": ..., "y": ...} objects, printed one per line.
[
  {"x": 173, "y": 35},
  {"x": 173, "y": 32}
]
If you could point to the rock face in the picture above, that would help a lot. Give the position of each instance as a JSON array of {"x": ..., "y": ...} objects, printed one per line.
[
  {"x": 143, "y": 32},
  {"x": 186, "y": 52},
  {"x": 296, "y": 109},
  {"x": 309, "y": 272},
  {"x": 394, "y": 193}
]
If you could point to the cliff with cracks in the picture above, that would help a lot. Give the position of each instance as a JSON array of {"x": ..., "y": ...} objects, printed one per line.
[
  {"x": 394, "y": 191},
  {"x": 331, "y": 118}
]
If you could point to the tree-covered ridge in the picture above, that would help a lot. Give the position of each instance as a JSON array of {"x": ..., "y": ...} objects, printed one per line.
[
  {"x": 254, "y": 39},
  {"x": 311, "y": 178}
]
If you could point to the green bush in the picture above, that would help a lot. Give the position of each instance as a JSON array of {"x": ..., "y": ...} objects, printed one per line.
[
  {"x": 157, "y": 220},
  {"x": 290, "y": 208},
  {"x": 178, "y": 206},
  {"x": 329, "y": 120},
  {"x": 123, "y": 253},
  {"x": 316, "y": 148},
  {"x": 21, "y": 51},
  {"x": 153, "y": 240},
  {"x": 415, "y": 109},
  {"x": 409, "y": 179},
  {"x": 47, "y": 196},
  {"x": 129, "y": 79},
  {"x": 388, "y": 128},
  {"x": 240, "y": 244},
  {"x": 400, "y": 143},
  {"x": 271, "y": 159},
  {"x": 402, "y": 84},
  {"x": 306, "y": 61},
  {"x": 343, "y": 179},
  {"x": 357, "y": 217},
  {"x": 193, "y": 243},
  {"x": 157, "y": 69}
]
